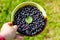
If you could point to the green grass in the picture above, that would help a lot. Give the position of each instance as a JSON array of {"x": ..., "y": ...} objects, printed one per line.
[{"x": 52, "y": 8}]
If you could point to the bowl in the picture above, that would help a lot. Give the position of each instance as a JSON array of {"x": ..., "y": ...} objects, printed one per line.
[{"x": 32, "y": 4}]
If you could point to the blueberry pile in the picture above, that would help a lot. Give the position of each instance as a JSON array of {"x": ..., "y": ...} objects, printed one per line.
[{"x": 36, "y": 26}]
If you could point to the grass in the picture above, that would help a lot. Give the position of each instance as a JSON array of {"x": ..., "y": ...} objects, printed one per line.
[{"x": 52, "y": 8}]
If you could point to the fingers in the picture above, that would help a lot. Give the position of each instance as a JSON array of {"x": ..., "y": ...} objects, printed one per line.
[
  {"x": 14, "y": 26},
  {"x": 20, "y": 37},
  {"x": 10, "y": 24}
]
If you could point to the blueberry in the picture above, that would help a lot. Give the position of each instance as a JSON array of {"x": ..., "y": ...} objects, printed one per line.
[{"x": 37, "y": 25}]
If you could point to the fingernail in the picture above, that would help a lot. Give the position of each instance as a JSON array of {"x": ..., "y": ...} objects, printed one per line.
[{"x": 10, "y": 24}]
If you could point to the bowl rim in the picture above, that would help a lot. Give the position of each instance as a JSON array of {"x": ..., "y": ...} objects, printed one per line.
[{"x": 28, "y": 3}]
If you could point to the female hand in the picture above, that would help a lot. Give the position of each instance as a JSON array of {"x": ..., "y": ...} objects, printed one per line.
[{"x": 8, "y": 30}]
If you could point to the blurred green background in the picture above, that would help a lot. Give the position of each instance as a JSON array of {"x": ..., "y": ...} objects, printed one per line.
[{"x": 52, "y": 8}]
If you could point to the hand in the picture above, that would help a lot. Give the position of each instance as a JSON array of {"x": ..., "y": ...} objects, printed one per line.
[{"x": 8, "y": 30}]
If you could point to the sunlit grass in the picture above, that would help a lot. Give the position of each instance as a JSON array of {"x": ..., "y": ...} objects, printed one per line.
[{"x": 52, "y": 8}]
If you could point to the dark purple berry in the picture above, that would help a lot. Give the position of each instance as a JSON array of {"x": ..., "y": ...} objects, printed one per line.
[{"x": 36, "y": 26}]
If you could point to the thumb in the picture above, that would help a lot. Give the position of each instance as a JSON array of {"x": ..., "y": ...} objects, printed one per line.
[{"x": 15, "y": 27}]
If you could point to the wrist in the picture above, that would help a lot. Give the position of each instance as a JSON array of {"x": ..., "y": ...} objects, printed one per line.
[
  {"x": 6, "y": 36},
  {"x": 2, "y": 37},
  {"x": 1, "y": 34}
]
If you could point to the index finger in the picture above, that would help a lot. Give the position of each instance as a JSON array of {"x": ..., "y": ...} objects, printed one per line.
[{"x": 19, "y": 37}]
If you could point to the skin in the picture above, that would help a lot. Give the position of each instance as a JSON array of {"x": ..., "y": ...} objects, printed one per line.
[{"x": 8, "y": 30}]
